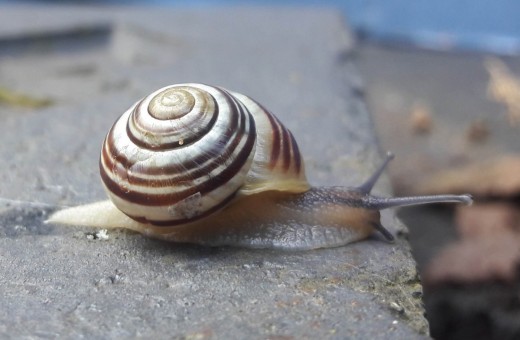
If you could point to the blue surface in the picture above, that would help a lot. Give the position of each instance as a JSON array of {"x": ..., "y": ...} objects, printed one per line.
[{"x": 488, "y": 25}]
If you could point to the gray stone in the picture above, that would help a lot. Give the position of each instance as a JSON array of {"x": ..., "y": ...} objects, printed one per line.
[{"x": 67, "y": 282}]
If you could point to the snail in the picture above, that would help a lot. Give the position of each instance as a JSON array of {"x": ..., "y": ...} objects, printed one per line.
[{"x": 200, "y": 164}]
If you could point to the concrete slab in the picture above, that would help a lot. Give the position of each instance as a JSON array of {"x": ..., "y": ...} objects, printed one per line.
[{"x": 66, "y": 282}]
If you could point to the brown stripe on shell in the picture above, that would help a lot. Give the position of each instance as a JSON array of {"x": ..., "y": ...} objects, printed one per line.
[
  {"x": 108, "y": 153},
  {"x": 275, "y": 128},
  {"x": 286, "y": 152},
  {"x": 296, "y": 153},
  {"x": 283, "y": 144},
  {"x": 207, "y": 213},
  {"x": 111, "y": 156},
  {"x": 207, "y": 186}
]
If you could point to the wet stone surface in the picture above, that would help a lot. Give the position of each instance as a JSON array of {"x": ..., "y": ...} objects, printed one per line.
[{"x": 92, "y": 65}]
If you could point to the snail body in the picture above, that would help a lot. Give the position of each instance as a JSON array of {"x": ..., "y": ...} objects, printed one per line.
[{"x": 200, "y": 164}]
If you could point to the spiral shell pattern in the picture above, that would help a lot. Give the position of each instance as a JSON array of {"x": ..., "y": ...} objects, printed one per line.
[{"x": 185, "y": 151}]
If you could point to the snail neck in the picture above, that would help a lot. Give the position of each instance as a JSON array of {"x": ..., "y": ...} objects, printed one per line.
[{"x": 359, "y": 201}]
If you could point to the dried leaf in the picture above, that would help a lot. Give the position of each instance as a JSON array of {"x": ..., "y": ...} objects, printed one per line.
[
  {"x": 478, "y": 131},
  {"x": 504, "y": 88},
  {"x": 484, "y": 220},
  {"x": 477, "y": 260},
  {"x": 421, "y": 119}
]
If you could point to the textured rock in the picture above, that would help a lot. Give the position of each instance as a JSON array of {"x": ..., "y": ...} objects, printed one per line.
[{"x": 92, "y": 64}]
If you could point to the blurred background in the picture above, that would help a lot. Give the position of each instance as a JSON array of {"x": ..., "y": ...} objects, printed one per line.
[
  {"x": 442, "y": 81},
  {"x": 482, "y": 25}
]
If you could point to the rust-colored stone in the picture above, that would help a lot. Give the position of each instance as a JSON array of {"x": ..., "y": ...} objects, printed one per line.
[
  {"x": 476, "y": 260},
  {"x": 487, "y": 219}
]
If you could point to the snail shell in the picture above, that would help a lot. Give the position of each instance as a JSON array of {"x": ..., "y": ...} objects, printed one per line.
[
  {"x": 201, "y": 164},
  {"x": 187, "y": 150}
]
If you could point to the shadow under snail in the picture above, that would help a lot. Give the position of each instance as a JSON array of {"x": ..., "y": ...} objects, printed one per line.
[{"x": 200, "y": 164}]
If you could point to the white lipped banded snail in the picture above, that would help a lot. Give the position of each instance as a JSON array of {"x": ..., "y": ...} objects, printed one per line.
[{"x": 200, "y": 164}]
